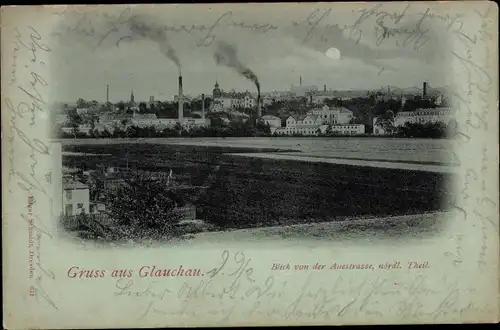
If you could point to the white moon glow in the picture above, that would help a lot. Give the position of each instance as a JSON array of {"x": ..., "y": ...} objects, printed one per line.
[{"x": 333, "y": 53}]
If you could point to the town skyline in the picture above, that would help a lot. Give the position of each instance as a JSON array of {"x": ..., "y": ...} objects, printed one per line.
[{"x": 146, "y": 98}]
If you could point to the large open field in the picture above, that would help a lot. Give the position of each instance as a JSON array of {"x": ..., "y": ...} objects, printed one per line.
[
  {"x": 246, "y": 192},
  {"x": 432, "y": 151}
]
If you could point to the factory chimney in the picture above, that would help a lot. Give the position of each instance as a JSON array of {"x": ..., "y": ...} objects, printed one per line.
[
  {"x": 324, "y": 88},
  {"x": 107, "y": 93},
  {"x": 181, "y": 101},
  {"x": 424, "y": 92},
  {"x": 202, "y": 105},
  {"x": 259, "y": 110},
  {"x": 300, "y": 81}
]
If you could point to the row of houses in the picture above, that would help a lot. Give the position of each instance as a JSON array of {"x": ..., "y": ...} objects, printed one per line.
[
  {"x": 150, "y": 119},
  {"x": 315, "y": 122},
  {"x": 443, "y": 115},
  {"x": 111, "y": 121},
  {"x": 424, "y": 116},
  {"x": 229, "y": 100}
]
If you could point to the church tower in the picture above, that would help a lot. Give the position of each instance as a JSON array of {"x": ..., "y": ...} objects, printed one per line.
[
  {"x": 216, "y": 92},
  {"x": 132, "y": 105}
]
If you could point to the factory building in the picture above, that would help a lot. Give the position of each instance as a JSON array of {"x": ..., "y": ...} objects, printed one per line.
[{"x": 111, "y": 120}]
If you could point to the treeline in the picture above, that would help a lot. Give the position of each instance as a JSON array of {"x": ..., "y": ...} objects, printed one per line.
[
  {"x": 409, "y": 130},
  {"x": 236, "y": 130},
  {"x": 428, "y": 130}
]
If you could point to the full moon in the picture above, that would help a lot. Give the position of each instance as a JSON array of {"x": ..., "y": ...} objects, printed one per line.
[{"x": 333, "y": 53}]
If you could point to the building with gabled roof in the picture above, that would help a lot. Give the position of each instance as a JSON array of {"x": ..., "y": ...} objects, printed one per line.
[
  {"x": 333, "y": 115},
  {"x": 230, "y": 100}
]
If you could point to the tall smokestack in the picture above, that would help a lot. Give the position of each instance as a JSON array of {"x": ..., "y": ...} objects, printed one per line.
[
  {"x": 181, "y": 101},
  {"x": 202, "y": 105},
  {"x": 259, "y": 110},
  {"x": 107, "y": 93},
  {"x": 424, "y": 93},
  {"x": 300, "y": 81},
  {"x": 324, "y": 89}
]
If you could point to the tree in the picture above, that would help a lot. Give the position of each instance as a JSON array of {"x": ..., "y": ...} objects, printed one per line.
[
  {"x": 335, "y": 102},
  {"x": 74, "y": 118},
  {"x": 76, "y": 132},
  {"x": 94, "y": 133},
  {"x": 382, "y": 107},
  {"x": 178, "y": 128},
  {"x": 262, "y": 128},
  {"x": 328, "y": 130},
  {"x": 142, "y": 202},
  {"x": 81, "y": 103},
  {"x": 121, "y": 106},
  {"x": 106, "y": 134},
  {"x": 386, "y": 122},
  {"x": 424, "y": 130},
  {"x": 131, "y": 132},
  {"x": 153, "y": 107},
  {"x": 143, "y": 107}
]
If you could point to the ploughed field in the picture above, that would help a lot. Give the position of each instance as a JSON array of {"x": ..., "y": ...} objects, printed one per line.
[{"x": 243, "y": 192}]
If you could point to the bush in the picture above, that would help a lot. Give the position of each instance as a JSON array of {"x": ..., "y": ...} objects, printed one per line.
[{"x": 426, "y": 130}]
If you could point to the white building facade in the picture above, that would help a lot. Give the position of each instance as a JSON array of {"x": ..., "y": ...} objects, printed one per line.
[
  {"x": 348, "y": 129},
  {"x": 76, "y": 198},
  {"x": 332, "y": 116},
  {"x": 272, "y": 121},
  {"x": 83, "y": 128},
  {"x": 303, "y": 125},
  {"x": 61, "y": 119},
  {"x": 316, "y": 125},
  {"x": 423, "y": 116}
]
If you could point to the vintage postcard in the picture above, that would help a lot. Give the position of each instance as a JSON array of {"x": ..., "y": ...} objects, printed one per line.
[{"x": 250, "y": 164}]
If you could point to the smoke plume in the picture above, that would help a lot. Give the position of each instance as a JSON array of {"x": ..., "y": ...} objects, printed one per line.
[
  {"x": 226, "y": 55},
  {"x": 146, "y": 30}
]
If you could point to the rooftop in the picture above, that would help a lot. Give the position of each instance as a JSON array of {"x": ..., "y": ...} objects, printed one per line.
[
  {"x": 327, "y": 108},
  {"x": 73, "y": 184},
  {"x": 69, "y": 170},
  {"x": 269, "y": 117},
  {"x": 145, "y": 116}
]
